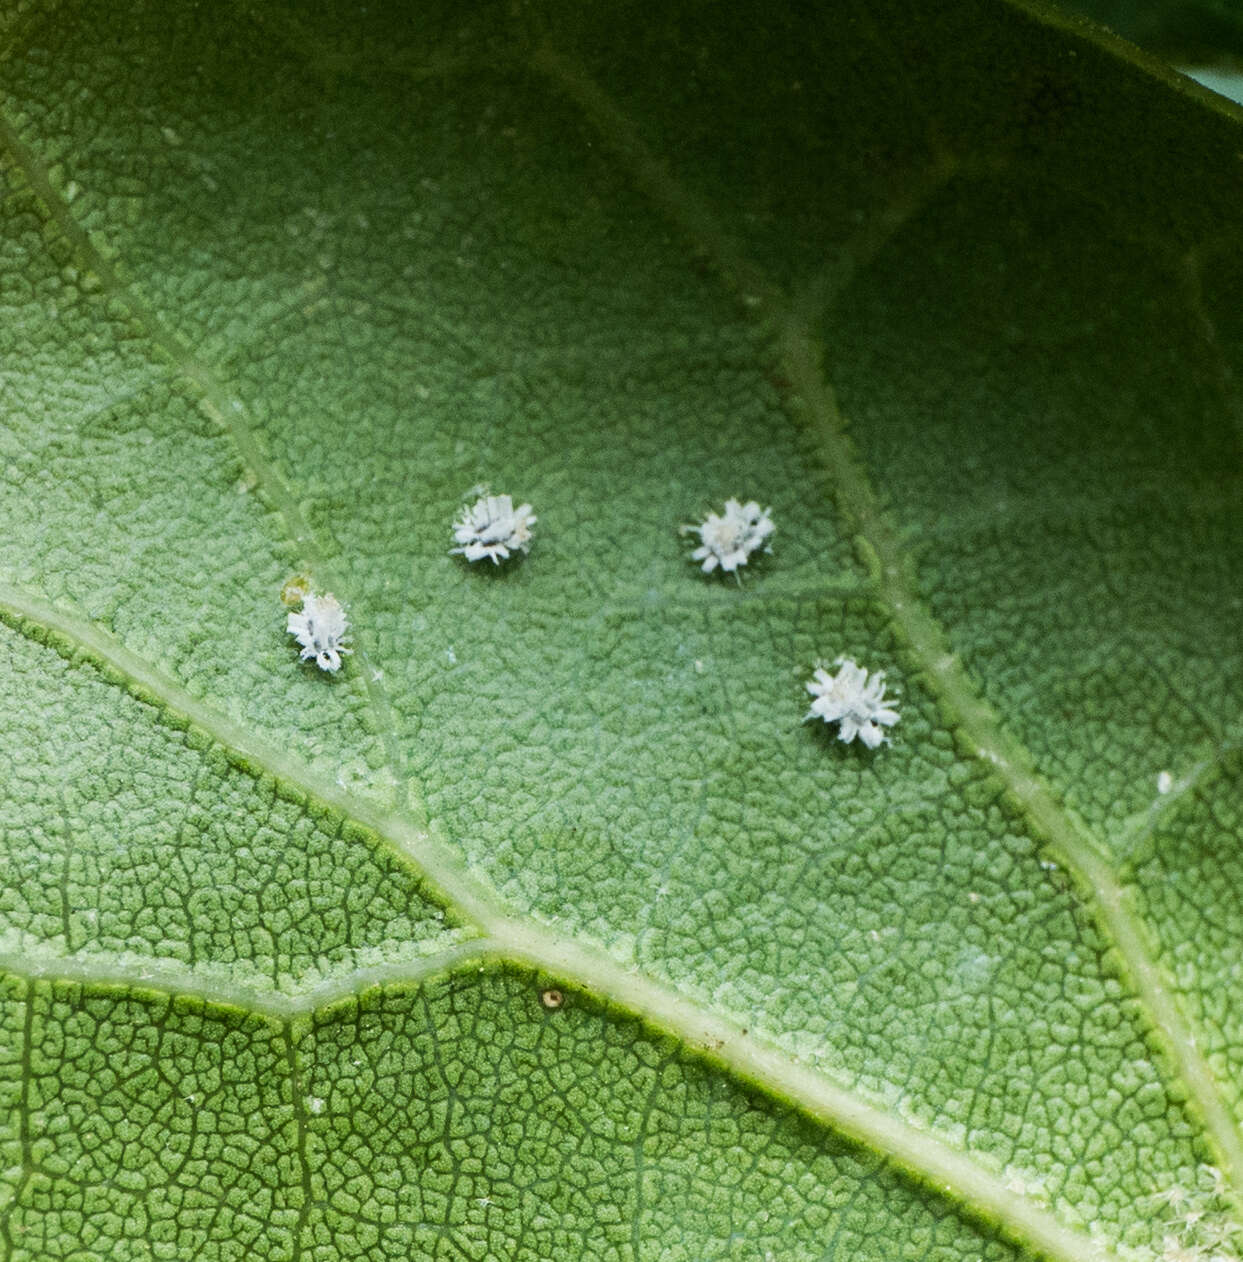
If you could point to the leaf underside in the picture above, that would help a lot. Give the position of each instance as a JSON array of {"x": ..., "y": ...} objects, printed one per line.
[{"x": 547, "y": 929}]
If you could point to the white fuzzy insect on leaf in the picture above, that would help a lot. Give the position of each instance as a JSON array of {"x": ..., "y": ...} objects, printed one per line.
[
  {"x": 853, "y": 700},
  {"x": 492, "y": 527},
  {"x": 321, "y": 629},
  {"x": 728, "y": 539}
]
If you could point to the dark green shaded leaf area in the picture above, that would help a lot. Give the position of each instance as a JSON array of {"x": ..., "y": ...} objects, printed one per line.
[
  {"x": 547, "y": 928},
  {"x": 1196, "y": 29}
]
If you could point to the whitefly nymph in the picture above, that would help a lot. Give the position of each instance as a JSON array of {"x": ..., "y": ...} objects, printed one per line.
[
  {"x": 493, "y": 528},
  {"x": 321, "y": 629},
  {"x": 727, "y": 539},
  {"x": 853, "y": 700}
]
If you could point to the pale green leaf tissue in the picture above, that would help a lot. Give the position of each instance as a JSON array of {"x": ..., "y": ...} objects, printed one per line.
[{"x": 547, "y": 929}]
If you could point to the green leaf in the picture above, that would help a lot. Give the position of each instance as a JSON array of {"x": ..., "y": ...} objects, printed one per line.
[
  {"x": 1180, "y": 29},
  {"x": 547, "y": 928}
]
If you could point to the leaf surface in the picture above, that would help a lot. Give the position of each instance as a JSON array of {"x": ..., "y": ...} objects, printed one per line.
[{"x": 547, "y": 928}]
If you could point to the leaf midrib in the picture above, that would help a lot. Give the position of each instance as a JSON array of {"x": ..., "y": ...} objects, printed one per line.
[{"x": 507, "y": 936}]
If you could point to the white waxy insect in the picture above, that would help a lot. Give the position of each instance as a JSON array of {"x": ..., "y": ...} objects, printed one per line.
[
  {"x": 854, "y": 701},
  {"x": 320, "y": 628},
  {"x": 492, "y": 527},
  {"x": 728, "y": 539}
]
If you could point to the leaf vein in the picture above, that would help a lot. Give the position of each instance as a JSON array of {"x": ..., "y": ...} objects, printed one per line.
[
  {"x": 931, "y": 1162},
  {"x": 510, "y": 938},
  {"x": 811, "y": 398},
  {"x": 222, "y": 406}
]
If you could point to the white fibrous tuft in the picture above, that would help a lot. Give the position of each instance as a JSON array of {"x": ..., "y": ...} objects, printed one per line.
[
  {"x": 320, "y": 629},
  {"x": 492, "y": 527},
  {"x": 853, "y": 700},
  {"x": 729, "y": 539}
]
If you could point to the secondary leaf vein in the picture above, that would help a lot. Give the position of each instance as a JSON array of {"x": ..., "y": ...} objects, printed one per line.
[
  {"x": 812, "y": 399},
  {"x": 223, "y": 407}
]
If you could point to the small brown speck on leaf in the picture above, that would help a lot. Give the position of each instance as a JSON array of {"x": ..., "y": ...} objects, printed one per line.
[{"x": 551, "y": 998}]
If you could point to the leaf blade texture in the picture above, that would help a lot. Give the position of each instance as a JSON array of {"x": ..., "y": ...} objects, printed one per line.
[{"x": 283, "y": 296}]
